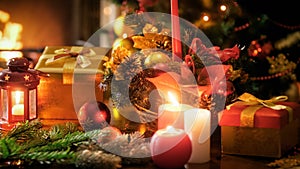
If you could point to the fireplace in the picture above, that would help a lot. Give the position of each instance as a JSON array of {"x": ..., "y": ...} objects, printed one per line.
[{"x": 49, "y": 23}]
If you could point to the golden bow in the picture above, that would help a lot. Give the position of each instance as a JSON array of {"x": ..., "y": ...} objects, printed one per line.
[
  {"x": 68, "y": 59},
  {"x": 249, "y": 99},
  {"x": 247, "y": 115}
]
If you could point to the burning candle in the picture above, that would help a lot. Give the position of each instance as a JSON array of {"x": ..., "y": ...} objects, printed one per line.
[
  {"x": 172, "y": 114},
  {"x": 176, "y": 41},
  {"x": 170, "y": 148},
  {"x": 197, "y": 126},
  {"x": 18, "y": 107}
]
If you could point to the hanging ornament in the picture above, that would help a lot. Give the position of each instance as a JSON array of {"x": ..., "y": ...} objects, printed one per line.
[
  {"x": 260, "y": 48},
  {"x": 121, "y": 29},
  {"x": 94, "y": 115}
]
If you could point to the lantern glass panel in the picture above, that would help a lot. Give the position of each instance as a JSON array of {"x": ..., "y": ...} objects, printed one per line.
[
  {"x": 32, "y": 104},
  {"x": 4, "y": 105},
  {"x": 17, "y": 108}
]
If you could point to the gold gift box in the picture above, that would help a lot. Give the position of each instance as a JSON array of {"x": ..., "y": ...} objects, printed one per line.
[
  {"x": 265, "y": 142},
  {"x": 68, "y": 87}
]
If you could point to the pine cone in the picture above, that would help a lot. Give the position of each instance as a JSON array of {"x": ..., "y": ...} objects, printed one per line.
[
  {"x": 145, "y": 97},
  {"x": 165, "y": 44},
  {"x": 119, "y": 54},
  {"x": 129, "y": 67},
  {"x": 205, "y": 101},
  {"x": 131, "y": 147},
  {"x": 93, "y": 159},
  {"x": 89, "y": 145}
]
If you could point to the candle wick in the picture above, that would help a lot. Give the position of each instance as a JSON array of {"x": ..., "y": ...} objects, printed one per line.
[{"x": 171, "y": 129}]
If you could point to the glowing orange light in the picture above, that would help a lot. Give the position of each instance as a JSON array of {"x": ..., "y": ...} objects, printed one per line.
[
  {"x": 107, "y": 10},
  {"x": 142, "y": 128},
  {"x": 259, "y": 49},
  {"x": 10, "y": 38},
  {"x": 223, "y": 8},
  {"x": 255, "y": 52},
  {"x": 173, "y": 99},
  {"x": 206, "y": 18}
]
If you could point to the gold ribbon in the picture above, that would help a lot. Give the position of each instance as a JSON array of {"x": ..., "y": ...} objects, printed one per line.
[
  {"x": 70, "y": 58},
  {"x": 247, "y": 115}
]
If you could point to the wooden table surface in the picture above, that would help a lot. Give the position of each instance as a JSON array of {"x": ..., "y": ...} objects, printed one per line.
[
  {"x": 218, "y": 160},
  {"x": 225, "y": 162}
]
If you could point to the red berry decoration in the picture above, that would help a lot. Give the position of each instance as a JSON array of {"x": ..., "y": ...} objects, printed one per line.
[{"x": 94, "y": 115}]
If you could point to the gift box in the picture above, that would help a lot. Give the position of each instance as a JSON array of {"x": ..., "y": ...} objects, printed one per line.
[
  {"x": 74, "y": 79},
  {"x": 260, "y": 128}
]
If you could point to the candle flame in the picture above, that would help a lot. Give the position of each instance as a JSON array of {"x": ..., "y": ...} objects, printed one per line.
[
  {"x": 173, "y": 99},
  {"x": 18, "y": 97}
]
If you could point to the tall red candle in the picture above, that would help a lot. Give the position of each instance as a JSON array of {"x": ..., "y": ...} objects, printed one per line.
[{"x": 176, "y": 42}]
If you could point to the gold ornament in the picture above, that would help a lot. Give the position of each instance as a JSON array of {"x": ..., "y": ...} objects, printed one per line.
[
  {"x": 156, "y": 57},
  {"x": 281, "y": 65},
  {"x": 152, "y": 39}
]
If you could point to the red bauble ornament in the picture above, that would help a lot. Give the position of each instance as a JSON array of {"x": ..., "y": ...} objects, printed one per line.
[
  {"x": 171, "y": 148},
  {"x": 94, "y": 115}
]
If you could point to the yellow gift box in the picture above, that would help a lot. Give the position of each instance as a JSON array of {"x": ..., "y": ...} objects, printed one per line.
[
  {"x": 255, "y": 127},
  {"x": 74, "y": 79}
]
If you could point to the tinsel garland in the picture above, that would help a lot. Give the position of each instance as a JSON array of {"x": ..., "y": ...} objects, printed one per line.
[
  {"x": 291, "y": 161},
  {"x": 289, "y": 41},
  {"x": 63, "y": 144}
]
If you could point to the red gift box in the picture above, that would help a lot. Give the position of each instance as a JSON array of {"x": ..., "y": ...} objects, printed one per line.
[
  {"x": 263, "y": 118},
  {"x": 257, "y": 127}
]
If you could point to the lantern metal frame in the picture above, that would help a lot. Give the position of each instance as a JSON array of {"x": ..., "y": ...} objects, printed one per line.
[{"x": 18, "y": 78}]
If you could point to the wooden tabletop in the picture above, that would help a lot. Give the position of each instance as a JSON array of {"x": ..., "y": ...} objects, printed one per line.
[{"x": 218, "y": 159}]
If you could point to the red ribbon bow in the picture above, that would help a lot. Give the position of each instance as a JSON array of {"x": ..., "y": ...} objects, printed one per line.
[{"x": 199, "y": 49}]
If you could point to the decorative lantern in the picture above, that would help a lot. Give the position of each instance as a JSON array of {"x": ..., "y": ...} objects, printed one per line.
[{"x": 18, "y": 93}]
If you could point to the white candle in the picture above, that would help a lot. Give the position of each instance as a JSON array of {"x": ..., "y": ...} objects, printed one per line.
[
  {"x": 18, "y": 107},
  {"x": 197, "y": 126},
  {"x": 18, "y": 110},
  {"x": 172, "y": 115}
]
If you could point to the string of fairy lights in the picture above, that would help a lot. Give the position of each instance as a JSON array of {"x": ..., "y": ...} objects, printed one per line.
[{"x": 223, "y": 11}]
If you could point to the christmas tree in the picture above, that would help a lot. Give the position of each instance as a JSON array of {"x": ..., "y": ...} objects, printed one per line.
[{"x": 266, "y": 32}]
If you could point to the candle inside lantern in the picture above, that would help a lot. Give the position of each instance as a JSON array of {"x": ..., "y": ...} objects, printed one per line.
[
  {"x": 197, "y": 126},
  {"x": 172, "y": 114},
  {"x": 18, "y": 107}
]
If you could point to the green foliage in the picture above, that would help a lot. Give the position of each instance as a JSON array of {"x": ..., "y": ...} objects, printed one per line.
[
  {"x": 8, "y": 148},
  {"x": 31, "y": 143},
  {"x": 59, "y": 156}
]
